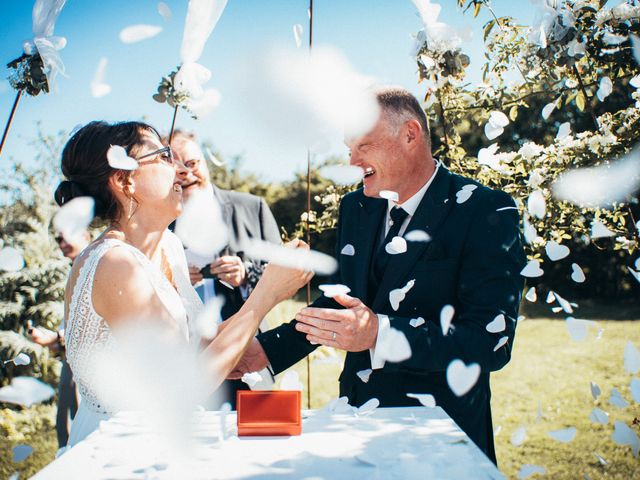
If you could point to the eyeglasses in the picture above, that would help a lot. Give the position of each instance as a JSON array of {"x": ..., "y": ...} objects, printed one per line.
[{"x": 165, "y": 153}]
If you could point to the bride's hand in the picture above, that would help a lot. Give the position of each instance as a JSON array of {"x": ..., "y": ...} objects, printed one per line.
[{"x": 281, "y": 282}]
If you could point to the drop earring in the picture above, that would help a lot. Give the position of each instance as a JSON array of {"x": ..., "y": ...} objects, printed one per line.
[{"x": 130, "y": 214}]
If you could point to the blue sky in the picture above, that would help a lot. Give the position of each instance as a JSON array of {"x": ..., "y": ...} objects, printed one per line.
[{"x": 375, "y": 35}]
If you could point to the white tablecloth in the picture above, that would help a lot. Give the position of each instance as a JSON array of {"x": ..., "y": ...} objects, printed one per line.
[{"x": 403, "y": 443}]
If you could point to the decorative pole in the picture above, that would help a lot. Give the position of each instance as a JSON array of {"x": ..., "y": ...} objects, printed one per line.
[
  {"x": 173, "y": 123},
  {"x": 13, "y": 111},
  {"x": 308, "y": 236}
]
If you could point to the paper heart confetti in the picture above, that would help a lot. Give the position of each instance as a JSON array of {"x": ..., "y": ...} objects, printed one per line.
[
  {"x": 599, "y": 230},
  {"x": 416, "y": 322},
  {"x": 599, "y": 416},
  {"x": 635, "y": 389},
  {"x": 565, "y": 435},
  {"x": 497, "y": 325},
  {"x": 11, "y": 260},
  {"x": 631, "y": 358},
  {"x": 532, "y": 269},
  {"x": 26, "y": 391},
  {"x": 138, "y": 33},
  {"x": 425, "y": 399},
  {"x": 465, "y": 193},
  {"x": 577, "y": 275},
  {"x": 417, "y": 236},
  {"x": 461, "y": 378},
  {"x": 393, "y": 346},
  {"x": 501, "y": 343},
  {"x": 98, "y": 86},
  {"x": 616, "y": 399},
  {"x": 119, "y": 159},
  {"x": 519, "y": 436},
  {"x": 396, "y": 246},
  {"x": 527, "y": 470},
  {"x": 251, "y": 378},
  {"x": 364, "y": 375},
  {"x": 531, "y": 294},
  {"x": 20, "y": 359},
  {"x": 368, "y": 407},
  {"x": 578, "y": 329},
  {"x": 73, "y": 219},
  {"x": 563, "y": 131},
  {"x": 446, "y": 316},
  {"x": 397, "y": 295},
  {"x": 21, "y": 452},
  {"x": 536, "y": 204},
  {"x": 333, "y": 290},
  {"x": 595, "y": 390},
  {"x": 623, "y": 435},
  {"x": 555, "y": 251},
  {"x": 389, "y": 195},
  {"x": 348, "y": 250},
  {"x": 297, "y": 34},
  {"x": 342, "y": 174}
]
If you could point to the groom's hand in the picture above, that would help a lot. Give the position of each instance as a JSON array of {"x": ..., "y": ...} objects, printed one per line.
[
  {"x": 353, "y": 329},
  {"x": 253, "y": 360}
]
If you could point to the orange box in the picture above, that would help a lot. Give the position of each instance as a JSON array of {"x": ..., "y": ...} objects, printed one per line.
[{"x": 269, "y": 412}]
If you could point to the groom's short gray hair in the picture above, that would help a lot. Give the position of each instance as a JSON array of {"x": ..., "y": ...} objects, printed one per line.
[{"x": 399, "y": 105}]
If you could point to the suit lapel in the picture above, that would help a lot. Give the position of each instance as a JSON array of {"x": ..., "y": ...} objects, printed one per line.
[
  {"x": 370, "y": 212},
  {"x": 428, "y": 217}
]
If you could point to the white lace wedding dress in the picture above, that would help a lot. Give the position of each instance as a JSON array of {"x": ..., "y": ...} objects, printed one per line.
[{"x": 88, "y": 335}]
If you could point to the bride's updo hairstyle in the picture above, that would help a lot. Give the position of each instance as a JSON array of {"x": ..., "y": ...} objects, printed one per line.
[{"x": 86, "y": 168}]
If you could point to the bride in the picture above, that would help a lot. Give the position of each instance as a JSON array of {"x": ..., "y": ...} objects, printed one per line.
[{"x": 137, "y": 268}]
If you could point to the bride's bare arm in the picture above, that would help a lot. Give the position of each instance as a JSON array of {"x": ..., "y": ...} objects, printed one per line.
[{"x": 276, "y": 284}]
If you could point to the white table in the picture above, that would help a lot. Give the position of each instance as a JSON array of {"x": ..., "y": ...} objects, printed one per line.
[{"x": 403, "y": 443}]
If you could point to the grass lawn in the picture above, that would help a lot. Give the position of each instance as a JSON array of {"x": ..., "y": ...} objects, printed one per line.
[{"x": 548, "y": 371}]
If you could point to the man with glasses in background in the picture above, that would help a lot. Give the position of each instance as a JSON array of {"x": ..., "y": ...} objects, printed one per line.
[{"x": 247, "y": 217}]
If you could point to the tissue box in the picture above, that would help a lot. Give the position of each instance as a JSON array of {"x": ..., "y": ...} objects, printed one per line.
[{"x": 269, "y": 412}]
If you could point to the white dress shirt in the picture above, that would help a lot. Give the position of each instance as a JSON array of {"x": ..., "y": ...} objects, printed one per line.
[{"x": 410, "y": 206}]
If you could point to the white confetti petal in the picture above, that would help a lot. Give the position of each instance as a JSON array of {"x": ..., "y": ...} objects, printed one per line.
[
  {"x": 531, "y": 295},
  {"x": 205, "y": 234},
  {"x": 20, "y": 359},
  {"x": 623, "y": 435},
  {"x": 605, "y": 88},
  {"x": 578, "y": 329},
  {"x": 425, "y": 399},
  {"x": 348, "y": 250},
  {"x": 497, "y": 325},
  {"x": 565, "y": 435},
  {"x": 396, "y": 246},
  {"x": 164, "y": 11},
  {"x": 251, "y": 378},
  {"x": 297, "y": 34},
  {"x": 635, "y": 389},
  {"x": 397, "y": 296},
  {"x": 393, "y": 346},
  {"x": 564, "y": 304},
  {"x": 563, "y": 131},
  {"x": 556, "y": 309},
  {"x": 417, "y": 236},
  {"x": 470, "y": 186},
  {"x": 635, "y": 81},
  {"x": 616, "y": 399},
  {"x": 342, "y": 174},
  {"x": 548, "y": 110},
  {"x": 21, "y": 452},
  {"x": 461, "y": 378},
  {"x": 333, "y": 290},
  {"x": 631, "y": 358},
  {"x": 492, "y": 132},
  {"x": 555, "y": 251},
  {"x": 599, "y": 416},
  {"x": 635, "y": 274},
  {"x": 532, "y": 269},
  {"x": 595, "y": 390},
  {"x": 291, "y": 381},
  {"x": 119, "y": 159},
  {"x": 26, "y": 391},
  {"x": 364, "y": 375},
  {"x": 73, "y": 219},
  {"x": 137, "y": 33},
  {"x": 11, "y": 260},
  {"x": 446, "y": 317},
  {"x": 527, "y": 470},
  {"x": 416, "y": 322},
  {"x": 577, "y": 275},
  {"x": 98, "y": 86},
  {"x": 498, "y": 119},
  {"x": 463, "y": 195},
  {"x": 600, "y": 459},
  {"x": 599, "y": 230},
  {"x": 501, "y": 343},
  {"x": 368, "y": 407},
  {"x": 389, "y": 195},
  {"x": 310, "y": 260},
  {"x": 519, "y": 436},
  {"x": 536, "y": 204}
]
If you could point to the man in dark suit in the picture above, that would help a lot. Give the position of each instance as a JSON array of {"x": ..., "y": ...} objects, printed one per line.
[
  {"x": 472, "y": 261},
  {"x": 247, "y": 217}
]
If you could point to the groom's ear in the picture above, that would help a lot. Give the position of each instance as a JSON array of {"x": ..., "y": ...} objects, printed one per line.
[{"x": 412, "y": 132}]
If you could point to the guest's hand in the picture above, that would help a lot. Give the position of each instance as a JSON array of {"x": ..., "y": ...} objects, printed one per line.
[
  {"x": 194, "y": 275},
  {"x": 353, "y": 329},
  {"x": 279, "y": 283},
  {"x": 229, "y": 269},
  {"x": 253, "y": 360},
  {"x": 42, "y": 336}
]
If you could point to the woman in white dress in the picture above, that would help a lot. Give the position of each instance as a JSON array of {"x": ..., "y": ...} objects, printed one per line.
[{"x": 136, "y": 270}]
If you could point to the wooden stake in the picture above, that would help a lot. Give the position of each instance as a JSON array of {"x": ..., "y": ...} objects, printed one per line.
[{"x": 13, "y": 111}]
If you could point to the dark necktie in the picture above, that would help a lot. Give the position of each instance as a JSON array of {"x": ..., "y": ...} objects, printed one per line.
[{"x": 381, "y": 259}]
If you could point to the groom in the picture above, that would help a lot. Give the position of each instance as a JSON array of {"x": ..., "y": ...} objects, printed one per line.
[{"x": 472, "y": 261}]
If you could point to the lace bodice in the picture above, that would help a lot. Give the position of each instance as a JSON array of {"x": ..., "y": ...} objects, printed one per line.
[{"x": 87, "y": 334}]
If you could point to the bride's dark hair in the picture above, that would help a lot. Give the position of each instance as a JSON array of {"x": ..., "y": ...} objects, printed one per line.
[{"x": 85, "y": 165}]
